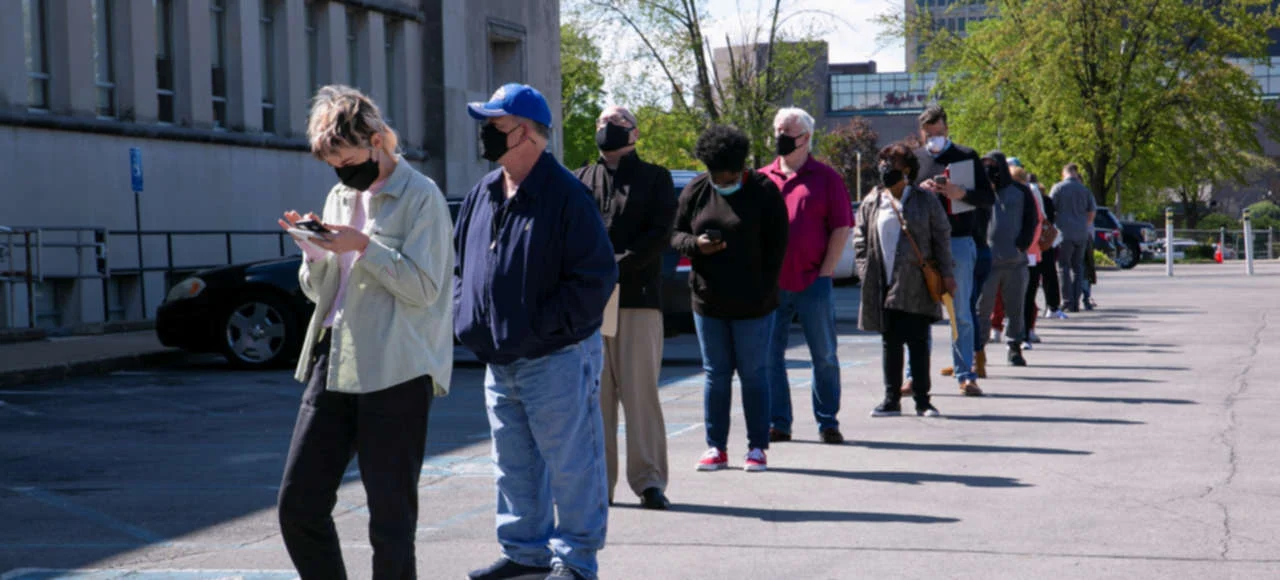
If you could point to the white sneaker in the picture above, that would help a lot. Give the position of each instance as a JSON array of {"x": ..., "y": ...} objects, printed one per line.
[
  {"x": 756, "y": 461},
  {"x": 1048, "y": 313},
  {"x": 997, "y": 337},
  {"x": 1027, "y": 346}
]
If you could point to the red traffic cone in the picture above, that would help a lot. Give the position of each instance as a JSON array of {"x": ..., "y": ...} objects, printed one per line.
[{"x": 1217, "y": 254}]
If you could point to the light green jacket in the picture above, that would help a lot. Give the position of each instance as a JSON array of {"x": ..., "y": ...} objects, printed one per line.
[{"x": 397, "y": 313}]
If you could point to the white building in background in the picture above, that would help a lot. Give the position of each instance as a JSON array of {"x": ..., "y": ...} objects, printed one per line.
[{"x": 215, "y": 95}]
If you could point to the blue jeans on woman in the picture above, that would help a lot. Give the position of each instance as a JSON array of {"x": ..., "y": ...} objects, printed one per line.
[
  {"x": 981, "y": 271},
  {"x": 742, "y": 346},
  {"x": 548, "y": 451}
]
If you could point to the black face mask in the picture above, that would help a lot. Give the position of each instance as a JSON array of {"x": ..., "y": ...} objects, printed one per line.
[
  {"x": 493, "y": 142},
  {"x": 786, "y": 145},
  {"x": 890, "y": 176},
  {"x": 360, "y": 176},
  {"x": 993, "y": 175},
  {"x": 612, "y": 138}
]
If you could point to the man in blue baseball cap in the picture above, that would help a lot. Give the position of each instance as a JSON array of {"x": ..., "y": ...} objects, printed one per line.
[{"x": 534, "y": 273}]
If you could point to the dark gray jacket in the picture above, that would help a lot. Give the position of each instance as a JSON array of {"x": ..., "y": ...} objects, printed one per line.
[
  {"x": 928, "y": 224},
  {"x": 1073, "y": 203},
  {"x": 1014, "y": 217}
]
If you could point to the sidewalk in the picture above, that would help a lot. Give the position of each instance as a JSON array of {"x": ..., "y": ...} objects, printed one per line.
[{"x": 58, "y": 358}]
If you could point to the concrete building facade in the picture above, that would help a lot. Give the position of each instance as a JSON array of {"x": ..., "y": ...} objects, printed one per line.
[{"x": 215, "y": 94}]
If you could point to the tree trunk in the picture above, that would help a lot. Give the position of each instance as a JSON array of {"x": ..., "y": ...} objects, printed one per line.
[{"x": 1098, "y": 175}]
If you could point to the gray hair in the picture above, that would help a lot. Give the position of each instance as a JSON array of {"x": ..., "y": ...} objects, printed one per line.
[
  {"x": 610, "y": 111},
  {"x": 796, "y": 114}
]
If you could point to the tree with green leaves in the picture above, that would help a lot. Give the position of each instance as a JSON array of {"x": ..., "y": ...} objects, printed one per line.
[
  {"x": 841, "y": 148},
  {"x": 1112, "y": 85},
  {"x": 769, "y": 66},
  {"x": 581, "y": 90}
]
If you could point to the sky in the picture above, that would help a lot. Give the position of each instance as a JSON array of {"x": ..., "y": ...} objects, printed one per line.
[{"x": 851, "y": 39}]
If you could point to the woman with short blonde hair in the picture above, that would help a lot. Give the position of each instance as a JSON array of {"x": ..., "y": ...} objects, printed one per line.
[{"x": 378, "y": 265}]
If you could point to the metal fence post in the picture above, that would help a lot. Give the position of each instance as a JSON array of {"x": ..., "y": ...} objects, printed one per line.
[
  {"x": 1271, "y": 242},
  {"x": 1248, "y": 243},
  {"x": 1222, "y": 241},
  {"x": 1168, "y": 241}
]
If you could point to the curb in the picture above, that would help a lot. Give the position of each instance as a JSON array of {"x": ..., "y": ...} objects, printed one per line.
[{"x": 100, "y": 366}]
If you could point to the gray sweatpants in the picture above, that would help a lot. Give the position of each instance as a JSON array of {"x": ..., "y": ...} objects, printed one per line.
[
  {"x": 1071, "y": 257},
  {"x": 1010, "y": 280}
]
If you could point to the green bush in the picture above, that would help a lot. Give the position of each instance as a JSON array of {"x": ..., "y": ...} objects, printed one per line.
[
  {"x": 1201, "y": 252},
  {"x": 1102, "y": 260},
  {"x": 1215, "y": 221}
]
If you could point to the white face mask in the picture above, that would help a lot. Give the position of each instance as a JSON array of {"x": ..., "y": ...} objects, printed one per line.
[{"x": 937, "y": 145}]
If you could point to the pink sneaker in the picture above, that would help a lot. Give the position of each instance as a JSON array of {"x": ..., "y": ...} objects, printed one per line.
[
  {"x": 714, "y": 459},
  {"x": 756, "y": 461}
]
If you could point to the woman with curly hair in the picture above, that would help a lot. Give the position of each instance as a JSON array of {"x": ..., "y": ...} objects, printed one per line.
[{"x": 732, "y": 224}]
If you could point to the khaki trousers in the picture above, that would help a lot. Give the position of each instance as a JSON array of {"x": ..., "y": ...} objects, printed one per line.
[{"x": 632, "y": 362}]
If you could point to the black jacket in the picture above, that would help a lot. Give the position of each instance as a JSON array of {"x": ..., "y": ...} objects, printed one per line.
[
  {"x": 741, "y": 281},
  {"x": 638, "y": 203},
  {"x": 981, "y": 196}
]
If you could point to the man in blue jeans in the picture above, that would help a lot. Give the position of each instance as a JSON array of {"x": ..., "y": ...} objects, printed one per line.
[
  {"x": 821, "y": 219},
  {"x": 534, "y": 273},
  {"x": 937, "y": 157}
]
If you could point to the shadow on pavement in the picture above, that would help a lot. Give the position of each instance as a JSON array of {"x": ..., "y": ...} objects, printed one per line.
[
  {"x": 1081, "y": 379},
  {"x": 962, "y": 448},
  {"x": 1095, "y": 328},
  {"x": 801, "y": 516},
  {"x": 1024, "y": 419},
  {"x": 1088, "y": 367},
  {"x": 906, "y": 477},
  {"x": 1122, "y": 400}
]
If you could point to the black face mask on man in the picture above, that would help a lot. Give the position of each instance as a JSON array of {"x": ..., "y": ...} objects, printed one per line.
[
  {"x": 493, "y": 142},
  {"x": 889, "y": 175},
  {"x": 612, "y": 137},
  {"x": 786, "y": 145},
  {"x": 359, "y": 176}
]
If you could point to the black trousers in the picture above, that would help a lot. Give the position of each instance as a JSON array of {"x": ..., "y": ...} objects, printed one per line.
[
  {"x": 387, "y": 431},
  {"x": 912, "y": 331},
  {"x": 1048, "y": 277}
]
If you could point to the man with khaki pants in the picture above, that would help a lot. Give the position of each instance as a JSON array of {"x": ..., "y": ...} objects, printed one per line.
[{"x": 638, "y": 203}]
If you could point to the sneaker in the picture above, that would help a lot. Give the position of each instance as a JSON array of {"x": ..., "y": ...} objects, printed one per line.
[
  {"x": 756, "y": 461},
  {"x": 504, "y": 569},
  {"x": 970, "y": 389},
  {"x": 1015, "y": 357},
  {"x": 1027, "y": 346},
  {"x": 562, "y": 572},
  {"x": 887, "y": 409},
  {"x": 1060, "y": 315},
  {"x": 1089, "y": 305},
  {"x": 832, "y": 436},
  {"x": 927, "y": 411},
  {"x": 714, "y": 459},
  {"x": 778, "y": 436},
  {"x": 1048, "y": 312},
  {"x": 997, "y": 337},
  {"x": 654, "y": 499},
  {"x": 1033, "y": 338}
]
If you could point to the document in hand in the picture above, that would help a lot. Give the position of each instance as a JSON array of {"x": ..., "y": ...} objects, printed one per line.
[{"x": 961, "y": 173}]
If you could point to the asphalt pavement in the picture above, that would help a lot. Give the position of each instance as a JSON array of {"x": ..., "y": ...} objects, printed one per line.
[{"x": 1138, "y": 444}]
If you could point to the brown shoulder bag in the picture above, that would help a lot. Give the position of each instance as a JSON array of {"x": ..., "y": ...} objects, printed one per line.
[{"x": 932, "y": 276}]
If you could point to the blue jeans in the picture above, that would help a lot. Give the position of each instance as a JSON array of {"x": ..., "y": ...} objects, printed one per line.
[
  {"x": 741, "y": 345},
  {"x": 548, "y": 452},
  {"x": 965, "y": 253},
  {"x": 817, "y": 312},
  {"x": 981, "y": 271}
]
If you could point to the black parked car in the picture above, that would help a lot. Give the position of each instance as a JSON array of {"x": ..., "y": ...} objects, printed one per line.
[
  {"x": 1137, "y": 239},
  {"x": 1107, "y": 234}
]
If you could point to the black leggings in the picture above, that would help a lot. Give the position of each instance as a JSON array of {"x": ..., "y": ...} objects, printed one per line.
[{"x": 910, "y": 330}]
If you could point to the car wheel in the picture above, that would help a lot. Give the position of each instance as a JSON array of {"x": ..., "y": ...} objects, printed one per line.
[
  {"x": 1127, "y": 257},
  {"x": 259, "y": 331}
]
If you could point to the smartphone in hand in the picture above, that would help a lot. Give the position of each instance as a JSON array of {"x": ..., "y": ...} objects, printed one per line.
[
  {"x": 313, "y": 226},
  {"x": 714, "y": 235},
  {"x": 940, "y": 180}
]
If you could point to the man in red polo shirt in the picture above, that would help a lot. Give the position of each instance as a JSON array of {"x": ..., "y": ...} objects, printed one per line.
[{"x": 821, "y": 220}]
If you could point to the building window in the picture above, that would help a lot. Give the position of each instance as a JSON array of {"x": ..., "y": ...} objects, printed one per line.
[
  {"x": 164, "y": 59},
  {"x": 218, "y": 57},
  {"x": 313, "y": 45},
  {"x": 392, "y": 60},
  {"x": 103, "y": 69},
  {"x": 267, "y": 18},
  {"x": 353, "y": 47},
  {"x": 35, "y": 15}
]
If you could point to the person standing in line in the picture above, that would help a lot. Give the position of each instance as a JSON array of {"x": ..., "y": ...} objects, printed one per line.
[
  {"x": 1014, "y": 220},
  {"x": 379, "y": 346},
  {"x": 894, "y": 222},
  {"x": 821, "y": 218},
  {"x": 535, "y": 273},
  {"x": 938, "y": 154},
  {"x": 1047, "y": 270},
  {"x": 638, "y": 203},
  {"x": 732, "y": 224},
  {"x": 1035, "y": 256},
  {"x": 1075, "y": 208}
]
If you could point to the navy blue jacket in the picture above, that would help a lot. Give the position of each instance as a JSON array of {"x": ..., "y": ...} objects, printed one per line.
[{"x": 534, "y": 272}]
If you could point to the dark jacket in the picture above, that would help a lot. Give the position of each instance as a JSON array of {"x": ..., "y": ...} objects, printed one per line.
[
  {"x": 638, "y": 203},
  {"x": 981, "y": 196},
  {"x": 927, "y": 222},
  {"x": 741, "y": 281},
  {"x": 1014, "y": 217},
  {"x": 534, "y": 272}
]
